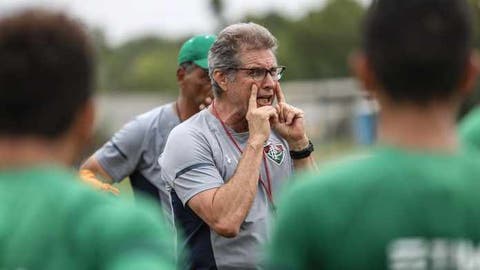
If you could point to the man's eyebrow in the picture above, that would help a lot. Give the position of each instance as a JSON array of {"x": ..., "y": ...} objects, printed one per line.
[{"x": 258, "y": 66}]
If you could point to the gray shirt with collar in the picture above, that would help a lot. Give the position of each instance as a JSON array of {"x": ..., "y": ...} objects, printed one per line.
[
  {"x": 133, "y": 152},
  {"x": 199, "y": 156}
]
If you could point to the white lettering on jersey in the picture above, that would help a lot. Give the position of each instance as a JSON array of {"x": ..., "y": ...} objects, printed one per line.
[{"x": 436, "y": 254}]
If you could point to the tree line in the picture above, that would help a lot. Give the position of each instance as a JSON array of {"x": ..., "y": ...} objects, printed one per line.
[{"x": 313, "y": 47}]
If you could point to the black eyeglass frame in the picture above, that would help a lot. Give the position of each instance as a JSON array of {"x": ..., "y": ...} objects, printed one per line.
[{"x": 269, "y": 71}]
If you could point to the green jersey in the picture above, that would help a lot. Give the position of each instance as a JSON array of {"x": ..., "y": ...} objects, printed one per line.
[
  {"x": 48, "y": 220},
  {"x": 393, "y": 209},
  {"x": 469, "y": 129}
]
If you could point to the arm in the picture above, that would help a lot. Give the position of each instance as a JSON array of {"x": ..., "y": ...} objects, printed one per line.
[
  {"x": 224, "y": 208},
  {"x": 88, "y": 174},
  {"x": 303, "y": 163},
  {"x": 117, "y": 159},
  {"x": 92, "y": 165}
]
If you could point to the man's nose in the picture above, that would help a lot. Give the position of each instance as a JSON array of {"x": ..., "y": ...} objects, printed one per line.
[{"x": 268, "y": 81}]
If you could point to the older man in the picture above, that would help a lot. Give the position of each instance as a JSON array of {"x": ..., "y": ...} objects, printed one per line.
[{"x": 226, "y": 163}]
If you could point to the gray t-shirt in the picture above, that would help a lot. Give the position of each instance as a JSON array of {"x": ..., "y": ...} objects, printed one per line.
[
  {"x": 199, "y": 156},
  {"x": 133, "y": 151}
]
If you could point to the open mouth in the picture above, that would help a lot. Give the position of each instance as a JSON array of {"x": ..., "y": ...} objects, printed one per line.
[{"x": 264, "y": 100}]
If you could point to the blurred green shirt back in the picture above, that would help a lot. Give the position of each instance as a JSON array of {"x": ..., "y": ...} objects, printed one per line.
[
  {"x": 393, "y": 209},
  {"x": 48, "y": 220}
]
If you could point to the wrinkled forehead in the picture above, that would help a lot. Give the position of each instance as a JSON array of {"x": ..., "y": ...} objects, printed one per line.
[{"x": 257, "y": 58}]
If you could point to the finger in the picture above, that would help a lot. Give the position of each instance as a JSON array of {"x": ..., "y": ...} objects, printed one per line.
[
  {"x": 280, "y": 95},
  {"x": 282, "y": 108},
  {"x": 289, "y": 117},
  {"x": 272, "y": 116},
  {"x": 280, "y": 113},
  {"x": 201, "y": 107},
  {"x": 252, "y": 104},
  {"x": 111, "y": 189},
  {"x": 207, "y": 101},
  {"x": 114, "y": 190},
  {"x": 268, "y": 111},
  {"x": 297, "y": 114},
  {"x": 273, "y": 121}
]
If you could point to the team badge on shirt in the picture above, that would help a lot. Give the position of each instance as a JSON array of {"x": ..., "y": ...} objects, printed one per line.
[{"x": 275, "y": 152}]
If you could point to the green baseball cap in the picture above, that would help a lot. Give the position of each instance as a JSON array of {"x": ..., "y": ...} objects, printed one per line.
[{"x": 196, "y": 50}]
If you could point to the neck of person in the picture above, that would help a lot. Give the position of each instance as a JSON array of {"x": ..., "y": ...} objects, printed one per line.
[
  {"x": 430, "y": 128},
  {"x": 185, "y": 108},
  {"x": 21, "y": 152},
  {"x": 232, "y": 116}
]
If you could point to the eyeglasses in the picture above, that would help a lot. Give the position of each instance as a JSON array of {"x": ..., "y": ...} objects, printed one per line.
[{"x": 259, "y": 74}]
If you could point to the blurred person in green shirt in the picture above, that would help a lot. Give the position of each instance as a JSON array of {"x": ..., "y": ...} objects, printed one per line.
[
  {"x": 413, "y": 202},
  {"x": 48, "y": 219}
]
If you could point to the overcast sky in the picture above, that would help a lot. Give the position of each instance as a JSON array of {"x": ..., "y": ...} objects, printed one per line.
[{"x": 125, "y": 19}]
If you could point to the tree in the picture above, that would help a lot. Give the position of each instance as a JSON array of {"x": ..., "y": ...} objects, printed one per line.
[{"x": 318, "y": 45}]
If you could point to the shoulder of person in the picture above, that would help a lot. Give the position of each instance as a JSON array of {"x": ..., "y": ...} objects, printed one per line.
[
  {"x": 192, "y": 127},
  {"x": 152, "y": 116},
  {"x": 340, "y": 173},
  {"x": 106, "y": 211}
]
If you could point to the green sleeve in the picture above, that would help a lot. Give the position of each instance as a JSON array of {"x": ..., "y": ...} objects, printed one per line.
[{"x": 290, "y": 245}]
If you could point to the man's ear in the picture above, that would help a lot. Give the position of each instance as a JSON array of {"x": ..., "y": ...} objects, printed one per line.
[
  {"x": 220, "y": 78},
  {"x": 180, "y": 74},
  {"x": 363, "y": 71},
  {"x": 470, "y": 75}
]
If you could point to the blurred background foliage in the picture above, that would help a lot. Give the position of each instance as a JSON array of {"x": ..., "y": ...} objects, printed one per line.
[
  {"x": 312, "y": 47},
  {"x": 315, "y": 46}
]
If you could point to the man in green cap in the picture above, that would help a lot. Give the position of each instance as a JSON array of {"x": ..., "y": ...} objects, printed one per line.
[{"x": 133, "y": 151}]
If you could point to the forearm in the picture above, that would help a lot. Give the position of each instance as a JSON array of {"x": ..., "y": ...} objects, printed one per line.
[
  {"x": 94, "y": 166},
  {"x": 302, "y": 163},
  {"x": 88, "y": 174},
  {"x": 232, "y": 201}
]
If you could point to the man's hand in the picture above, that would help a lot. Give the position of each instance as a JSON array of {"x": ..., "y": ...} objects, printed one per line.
[
  {"x": 89, "y": 178},
  {"x": 290, "y": 123},
  {"x": 259, "y": 119},
  {"x": 206, "y": 102}
]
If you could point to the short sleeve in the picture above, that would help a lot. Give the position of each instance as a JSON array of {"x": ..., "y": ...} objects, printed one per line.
[
  {"x": 187, "y": 163},
  {"x": 120, "y": 156}
]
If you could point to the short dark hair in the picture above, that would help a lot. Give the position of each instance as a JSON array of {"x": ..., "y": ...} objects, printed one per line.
[
  {"x": 189, "y": 66},
  {"x": 418, "y": 49},
  {"x": 46, "y": 73}
]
